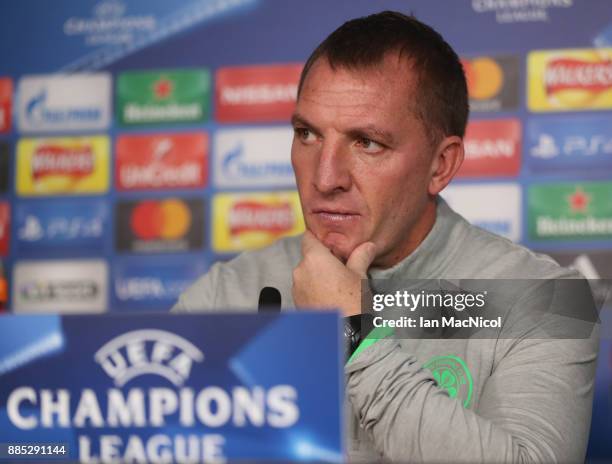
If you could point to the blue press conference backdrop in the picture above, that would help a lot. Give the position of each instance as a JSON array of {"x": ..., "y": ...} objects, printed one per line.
[{"x": 167, "y": 147}]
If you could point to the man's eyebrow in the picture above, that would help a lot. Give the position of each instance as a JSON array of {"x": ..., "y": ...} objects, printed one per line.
[
  {"x": 299, "y": 120},
  {"x": 371, "y": 131},
  {"x": 367, "y": 131}
]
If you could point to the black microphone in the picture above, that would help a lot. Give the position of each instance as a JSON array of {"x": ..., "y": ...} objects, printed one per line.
[{"x": 269, "y": 300}]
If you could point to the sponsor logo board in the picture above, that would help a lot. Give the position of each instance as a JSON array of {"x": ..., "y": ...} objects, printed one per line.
[
  {"x": 164, "y": 96},
  {"x": 146, "y": 284},
  {"x": 58, "y": 103},
  {"x": 569, "y": 143},
  {"x": 256, "y": 93},
  {"x": 62, "y": 165},
  {"x": 159, "y": 225},
  {"x": 252, "y": 220},
  {"x": 61, "y": 226},
  {"x": 492, "y": 148},
  {"x": 4, "y": 166},
  {"x": 493, "y": 82},
  {"x": 482, "y": 206},
  {"x": 253, "y": 158},
  {"x": 6, "y": 104},
  {"x": 5, "y": 229},
  {"x": 570, "y": 80},
  {"x": 161, "y": 161},
  {"x": 570, "y": 211},
  {"x": 60, "y": 286}
]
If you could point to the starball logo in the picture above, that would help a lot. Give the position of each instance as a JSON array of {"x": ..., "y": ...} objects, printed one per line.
[{"x": 149, "y": 351}]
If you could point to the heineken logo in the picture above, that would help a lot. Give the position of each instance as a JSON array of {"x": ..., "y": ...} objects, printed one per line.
[
  {"x": 579, "y": 201},
  {"x": 150, "y": 97},
  {"x": 570, "y": 211},
  {"x": 163, "y": 88}
]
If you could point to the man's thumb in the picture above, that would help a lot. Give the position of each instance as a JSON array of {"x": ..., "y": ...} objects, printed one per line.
[{"x": 361, "y": 258}]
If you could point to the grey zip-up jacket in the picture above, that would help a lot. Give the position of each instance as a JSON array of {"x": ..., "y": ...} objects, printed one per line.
[{"x": 520, "y": 399}]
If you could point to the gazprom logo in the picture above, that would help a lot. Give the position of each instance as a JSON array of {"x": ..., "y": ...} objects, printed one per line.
[
  {"x": 148, "y": 351},
  {"x": 236, "y": 166},
  {"x": 64, "y": 102},
  {"x": 253, "y": 157},
  {"x": 39, "y": 113}
]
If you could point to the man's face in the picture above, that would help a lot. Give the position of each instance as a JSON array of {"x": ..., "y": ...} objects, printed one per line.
[{"x": 362, "y": 159}]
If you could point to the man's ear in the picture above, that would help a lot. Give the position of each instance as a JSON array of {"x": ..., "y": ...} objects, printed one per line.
[{"x": 447, "y": 161}]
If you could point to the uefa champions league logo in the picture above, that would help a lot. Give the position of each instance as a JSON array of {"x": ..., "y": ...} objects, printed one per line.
[{"x": 148, "y": 351}]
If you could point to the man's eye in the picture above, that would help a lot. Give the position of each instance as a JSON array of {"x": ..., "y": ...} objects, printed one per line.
[
  {"x": 369, "y": 146},
  {"x": 305, "y": 135}
]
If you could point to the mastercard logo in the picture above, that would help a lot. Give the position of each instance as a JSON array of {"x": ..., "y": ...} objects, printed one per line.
[
  {"x": 168, "y": 219},
  {"x": 485, "y": 77}
]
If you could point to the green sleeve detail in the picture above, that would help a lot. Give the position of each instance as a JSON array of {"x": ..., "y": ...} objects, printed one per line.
[{"x": 375, "y": 335}]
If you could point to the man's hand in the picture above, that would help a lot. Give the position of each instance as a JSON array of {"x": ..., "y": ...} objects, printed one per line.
[{"x": 322, "y": 281}]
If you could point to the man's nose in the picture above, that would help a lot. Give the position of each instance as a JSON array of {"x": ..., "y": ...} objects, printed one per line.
[{"x": 333, "y": 171}]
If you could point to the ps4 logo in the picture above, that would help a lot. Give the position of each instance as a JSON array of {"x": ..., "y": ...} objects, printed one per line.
[
  {"x": 60, "y": 228},
  {"x": 547, "y": 147}
]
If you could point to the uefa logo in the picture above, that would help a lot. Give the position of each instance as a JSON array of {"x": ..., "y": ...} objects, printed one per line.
[{"x": 148, "y": 351}]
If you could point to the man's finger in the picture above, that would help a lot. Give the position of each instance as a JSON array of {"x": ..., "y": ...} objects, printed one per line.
[{"x": 361, "y": 258}]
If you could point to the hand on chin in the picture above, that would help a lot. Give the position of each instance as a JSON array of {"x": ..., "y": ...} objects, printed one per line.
[
  {"x": 339, "y": 244},
  {"x": 321, "y": 281}
]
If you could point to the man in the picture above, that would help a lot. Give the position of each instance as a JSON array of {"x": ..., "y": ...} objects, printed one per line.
[{"x": 381, "y": 113}]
